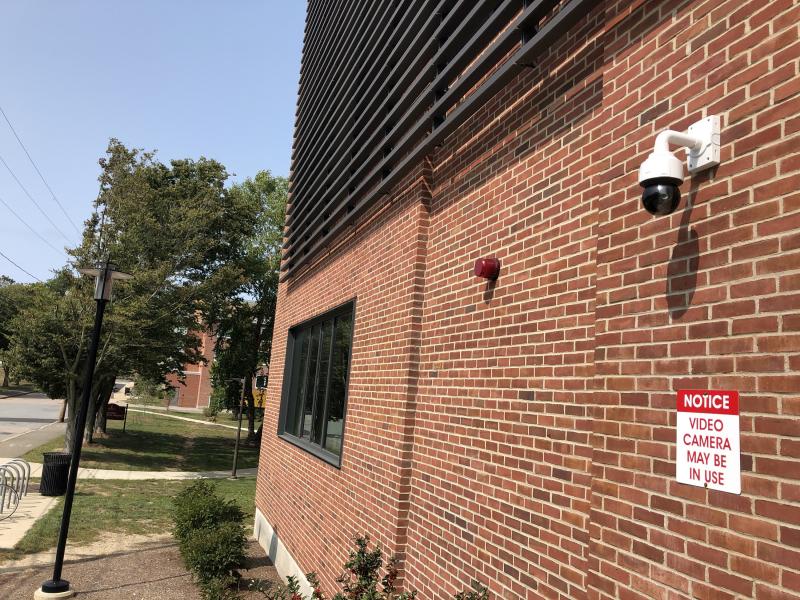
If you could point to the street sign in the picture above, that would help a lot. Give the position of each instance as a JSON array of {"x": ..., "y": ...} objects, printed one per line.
[{"x": 708, "y": 440}]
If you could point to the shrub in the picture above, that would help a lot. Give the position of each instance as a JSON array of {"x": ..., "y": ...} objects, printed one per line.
[
  {"x": 290, "y": 591},
  {"x": 478, "y": 592},
  {"x": 220, "y": 588},
  {"x": 216, "y": 552},
  {"x": 211, "y": 537},
  {"x": 148, "y": 392},
  {"x": 199, "y": 506},
  {"x": 360, "y": 580}
]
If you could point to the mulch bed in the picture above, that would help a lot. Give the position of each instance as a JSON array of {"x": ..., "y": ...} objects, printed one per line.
[{"x": 155, "y": 573}]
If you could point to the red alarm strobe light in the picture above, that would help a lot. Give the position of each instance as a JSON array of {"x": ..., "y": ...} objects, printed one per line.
[{"x": 487, "y": 268}]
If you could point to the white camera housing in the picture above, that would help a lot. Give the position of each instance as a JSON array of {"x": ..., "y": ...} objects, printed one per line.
[{"x": 662, "y": 173}]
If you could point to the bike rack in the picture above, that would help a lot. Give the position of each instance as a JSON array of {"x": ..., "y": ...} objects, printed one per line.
[
  {"x": 18, "y": 473},
  {"x": 26, "y": 467}
]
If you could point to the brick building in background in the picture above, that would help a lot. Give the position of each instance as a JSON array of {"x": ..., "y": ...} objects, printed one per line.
[
  {"x": 196, "y": 388},
  {"x": 522, "y": 432}
]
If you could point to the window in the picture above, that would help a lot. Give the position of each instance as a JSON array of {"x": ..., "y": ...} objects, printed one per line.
[{"x": 315, "y": 383}]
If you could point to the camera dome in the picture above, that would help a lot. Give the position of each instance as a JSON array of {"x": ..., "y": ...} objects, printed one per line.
[{"x": 661, "y": 196}]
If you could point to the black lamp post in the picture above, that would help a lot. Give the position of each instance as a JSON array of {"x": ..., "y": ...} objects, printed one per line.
[
  {"x": 238, "y": 433},
  {"x": 104, "y": 276}
]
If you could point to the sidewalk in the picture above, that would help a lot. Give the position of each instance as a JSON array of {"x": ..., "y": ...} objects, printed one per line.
[
  {"x": 84, "y": 473},
  {"x": 32, "y": 507}
]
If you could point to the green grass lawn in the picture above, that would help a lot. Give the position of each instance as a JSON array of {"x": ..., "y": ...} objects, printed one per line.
[
  {"x": 156, "y": 443},
  {"x": 107, "y": 506},
  {"x": 224, "y": 417}
]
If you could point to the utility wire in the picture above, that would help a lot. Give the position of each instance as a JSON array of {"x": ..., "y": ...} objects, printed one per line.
[
  {"x": 32, "y": 230},
  {"x": 30, "y": 158},
  {"x": 35, "y": 203},
  {"x": 20, "y": 268}
]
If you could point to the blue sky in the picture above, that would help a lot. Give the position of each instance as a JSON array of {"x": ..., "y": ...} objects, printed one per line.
[{"x": 188, "y": 78}]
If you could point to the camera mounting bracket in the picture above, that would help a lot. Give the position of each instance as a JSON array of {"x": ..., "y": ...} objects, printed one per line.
[{"x": 701, "y": 143}]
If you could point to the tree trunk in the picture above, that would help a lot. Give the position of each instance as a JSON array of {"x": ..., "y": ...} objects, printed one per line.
[
  {"x": 63, "y": 412},
  {"x": 71, "y": 401},
  {"x": 98, "y": 416},
  {"x": 91, "y": 414},
  {"x": 101, "y": 392},
  {"x": 5, "y": 377}
]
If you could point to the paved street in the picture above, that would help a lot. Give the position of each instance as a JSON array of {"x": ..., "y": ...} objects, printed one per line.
[{"x": 32, "y": 413}]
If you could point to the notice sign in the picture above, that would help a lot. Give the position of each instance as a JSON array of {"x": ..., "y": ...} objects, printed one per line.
[{"x": 708, "y": 440}]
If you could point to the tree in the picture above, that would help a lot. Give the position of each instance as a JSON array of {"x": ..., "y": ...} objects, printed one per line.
[
  {"x": 242, "y": 313},
  {"x": 176, "y": 229},
  {"x": 12, "y": 299}
]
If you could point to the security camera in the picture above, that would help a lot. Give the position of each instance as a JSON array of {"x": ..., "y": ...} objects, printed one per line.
[{"x": 662, "y": 173}]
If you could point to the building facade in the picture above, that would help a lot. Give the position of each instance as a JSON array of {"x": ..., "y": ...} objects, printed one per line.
[
  {"x": 523, "y": 431},
  {"x": 195, "y": 389}
]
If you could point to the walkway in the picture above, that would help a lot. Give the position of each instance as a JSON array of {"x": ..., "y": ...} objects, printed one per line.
[
  {"x": 14, "y": 528},
  {"x": 161, "y": 413},
  {"x": 84, "y": 473}
]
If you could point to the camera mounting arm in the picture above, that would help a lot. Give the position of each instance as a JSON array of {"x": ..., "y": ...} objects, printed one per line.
[
  {"x": 701, "y": 143},
  {"x": 676, "y": 138}
]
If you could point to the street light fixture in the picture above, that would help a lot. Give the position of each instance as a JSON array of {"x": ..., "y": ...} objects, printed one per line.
[{"x": 104, "y": 275}]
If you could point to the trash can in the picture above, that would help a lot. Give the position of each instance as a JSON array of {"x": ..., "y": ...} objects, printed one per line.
[{"x": 55, "y": 471}]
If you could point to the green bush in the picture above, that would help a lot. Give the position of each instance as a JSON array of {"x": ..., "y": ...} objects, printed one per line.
[
  {"x": 211, "y": 537},
  {"x": 478, "y": 592},
  {"x": 220, "y": 588},
  {"x": 215, "y": 552},
  {"x": 198, "y": 506},
  {"x": 148, "y": 392},
  {"x": 360, "y": 580}
]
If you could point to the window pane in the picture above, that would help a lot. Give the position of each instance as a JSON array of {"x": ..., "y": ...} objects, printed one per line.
[
  {"x": 299, "y": 365},
  {"x": 322, "y": 381},
  {"x": 338, "y": 387},
  {"x": 309, "y": 387}
]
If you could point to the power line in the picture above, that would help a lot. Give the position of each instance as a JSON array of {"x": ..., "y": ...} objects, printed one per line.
[
  {"x": 28, "y": 273},
  {"x": 30, "y": 158},
  {"x": 32, "y": 230},
  {"x": 35, "y": 203}
]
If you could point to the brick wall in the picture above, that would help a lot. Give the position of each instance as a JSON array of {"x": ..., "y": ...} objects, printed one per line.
[
  {"x": 316, "y": 508},
  {"x": 522, "y": 433},
  {"x": 195, "y": 390}
]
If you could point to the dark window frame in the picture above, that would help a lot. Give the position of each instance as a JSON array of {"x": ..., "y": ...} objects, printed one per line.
[{"x": 308, "y": 325}]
